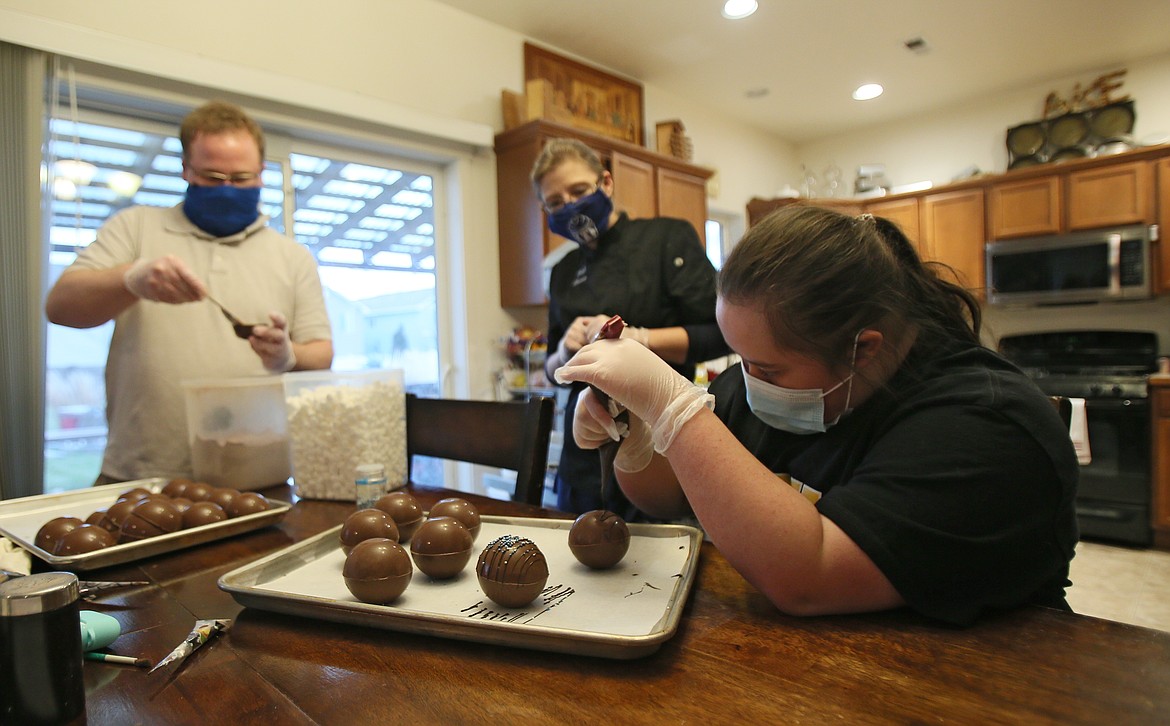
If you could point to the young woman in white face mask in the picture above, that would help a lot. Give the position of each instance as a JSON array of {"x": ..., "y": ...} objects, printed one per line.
[{"x": 870, "y": 453}]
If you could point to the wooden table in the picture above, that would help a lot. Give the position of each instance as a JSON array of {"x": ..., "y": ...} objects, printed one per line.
[{"x": 735, "y": 659}]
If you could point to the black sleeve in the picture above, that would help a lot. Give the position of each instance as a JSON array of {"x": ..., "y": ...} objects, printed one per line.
[
  {"x": 691, "y": 281},
  {"x": 706, "y": 342}
]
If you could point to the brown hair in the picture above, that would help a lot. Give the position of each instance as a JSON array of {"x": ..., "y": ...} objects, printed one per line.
[
  {"x": 556, "y": 152},
  {"x": 216, "y": 117},
  {"x": 821, "y": 276}
]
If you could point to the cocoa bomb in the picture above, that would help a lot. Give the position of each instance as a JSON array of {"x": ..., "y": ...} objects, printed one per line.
[
  {"x": 441, "y": 547},
  {"x": 150, "y": 518},
  {"x": 247, "y": 503},
  {"x": 198, "y": 491},
  {"x": 224, "y": 496},
  {"x": 367, "y": 524},
  {"x": 52, "y": 531},
  {"x": 85, "y": 538},
  {"x": 599, "y": 539},
  {"x": 405, "y": 510},
  {"x": 377, "y": 570},
  {"x": 182, "y": 504},
  {"x": 177, "y": 487},
  {"x": 461, "y": 510},
  {"x": 115, "y": 515},
  {"x": 135, "y": 494},
  {"x": 201, "y": 513},
  {"x": 512, "y": 571},
  {"x": 98, "y": 516}
]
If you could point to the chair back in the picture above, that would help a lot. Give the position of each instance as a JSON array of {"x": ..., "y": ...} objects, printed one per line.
[{"x": 504, "y": 434}]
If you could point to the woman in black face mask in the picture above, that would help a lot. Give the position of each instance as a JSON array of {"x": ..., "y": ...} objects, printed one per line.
[
  {"x": 653, "y": 272},
  {"x": 869, "y": 453}
]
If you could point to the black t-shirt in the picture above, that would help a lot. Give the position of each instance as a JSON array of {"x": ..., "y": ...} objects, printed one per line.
[
  {"x": 655, "y": 274},
  {"x": 957, "y": 480}
]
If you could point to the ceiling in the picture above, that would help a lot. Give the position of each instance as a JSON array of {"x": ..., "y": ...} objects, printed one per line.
[{"x": 809, "y": 55}]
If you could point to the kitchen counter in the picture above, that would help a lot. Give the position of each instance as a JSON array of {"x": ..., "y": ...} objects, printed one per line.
[{"x": 734, "y": 659}]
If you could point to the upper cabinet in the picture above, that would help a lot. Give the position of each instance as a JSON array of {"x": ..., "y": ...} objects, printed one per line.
[{"x": 646, "y": 184}]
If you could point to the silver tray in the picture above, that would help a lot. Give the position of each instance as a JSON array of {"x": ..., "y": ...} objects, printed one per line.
[
  {"x": 624, "y": 612},
  {"x": 20, "y": 519}
]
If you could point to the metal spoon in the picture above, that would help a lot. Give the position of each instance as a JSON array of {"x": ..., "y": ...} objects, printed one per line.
[{"x": 243, "y": 330}]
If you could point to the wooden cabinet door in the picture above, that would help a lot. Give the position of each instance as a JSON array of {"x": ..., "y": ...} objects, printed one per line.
[
  {"x": 1110, "y": 195},
  {"x": 1162, "y": 245},
  {"x": 904, "y": 213},
  {"x": 1026, "y": 208},
  {"x": 1160, "y": 512},
  {"x": 634, "y": 186},
  {"x": 953, "y": 230},
  {"x": 684, "y": 197}
]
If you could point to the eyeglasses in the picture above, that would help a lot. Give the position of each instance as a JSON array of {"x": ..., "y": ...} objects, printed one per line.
[
  {"x": 556, "y": 203},
  {"x": 218, "y": 177}
]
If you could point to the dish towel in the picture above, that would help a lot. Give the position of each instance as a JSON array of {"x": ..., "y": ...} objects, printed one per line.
[{"x": 1078, "y": 431}]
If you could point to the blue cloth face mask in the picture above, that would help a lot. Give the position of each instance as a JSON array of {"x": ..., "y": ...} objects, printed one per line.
[
  {"x": 584, "y": 220},
  {"x": 222, "y": 210},
  {"x": 797, "y": 411}
]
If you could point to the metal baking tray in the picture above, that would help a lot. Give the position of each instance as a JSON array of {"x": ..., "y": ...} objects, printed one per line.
[
  {"x": 20, "y": 519},
  {"x": 624, "y": 612}
]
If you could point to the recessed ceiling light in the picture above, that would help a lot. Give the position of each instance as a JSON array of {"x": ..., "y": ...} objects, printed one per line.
[
  {"x": 736, "y": 9},
  {"x": 867, "y": 91}
]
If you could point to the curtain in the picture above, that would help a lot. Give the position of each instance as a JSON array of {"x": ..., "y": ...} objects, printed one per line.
[{"x": 22, "y": 264}]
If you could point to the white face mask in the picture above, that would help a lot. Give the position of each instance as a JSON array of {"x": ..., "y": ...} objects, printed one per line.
[{"x": 797, "y": 411}]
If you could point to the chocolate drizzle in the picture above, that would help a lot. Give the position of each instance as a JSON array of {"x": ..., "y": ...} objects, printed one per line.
[{"x": 512, "y": 570}]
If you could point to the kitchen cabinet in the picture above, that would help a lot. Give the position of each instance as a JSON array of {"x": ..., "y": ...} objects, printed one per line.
[
  {"x": 1103, "y": 195},
  {"x": 953, "y": 233},
  {"x": 902, "y": 212},
  {"x": 1160, "y": 506},
  {"x": 646, "y": 184},
  {"x": 1161, "y": 246}
]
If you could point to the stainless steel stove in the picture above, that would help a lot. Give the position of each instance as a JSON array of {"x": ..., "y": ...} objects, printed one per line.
[{"x": 1109, "y": 369}]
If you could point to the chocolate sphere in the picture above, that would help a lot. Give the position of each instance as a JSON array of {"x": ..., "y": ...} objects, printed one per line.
[
  {"x": 224, "y": 496},
  {"x": 116, "y": 515},
  {"x": 150, "y": 518},
  {"x": 441, "y": 547},
  {"x": 85, "y": 538},
  {"x": 135, "y": 494},
  {"x": 181, "y": 503},
  {"x": 511, "y": 570},
  {"x": 198, "y": 491},
  {"x": 461, "y": 510},
  {"x": 247, "y": 503},
  {"x": 599, "y": 539},
  {"x": 177, "y": 487},
  {"x": 98, "y": 516},
  {"x": 367, "y": 524},
  {"x": 405, "y": 510},
  {"x": 377, "y": 570},
  {"x": 201, "y": 513},
  {"x": 52, "y": 531}
]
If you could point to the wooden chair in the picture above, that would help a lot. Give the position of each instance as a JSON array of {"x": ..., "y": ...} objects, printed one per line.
[{"x": 505, "y": 434}]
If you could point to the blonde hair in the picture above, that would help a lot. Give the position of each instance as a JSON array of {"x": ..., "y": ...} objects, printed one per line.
[
  {"x": 216, "y": 117},
  {"x": 556, "y": 152}
]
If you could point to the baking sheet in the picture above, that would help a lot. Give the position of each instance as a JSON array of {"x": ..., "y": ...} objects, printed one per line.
[
  {"x": 627, "y": 611},
  {"x": 20, "y": 519}
]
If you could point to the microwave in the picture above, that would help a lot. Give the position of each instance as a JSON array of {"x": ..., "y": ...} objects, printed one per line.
[{"x": 1096, "y": 266}]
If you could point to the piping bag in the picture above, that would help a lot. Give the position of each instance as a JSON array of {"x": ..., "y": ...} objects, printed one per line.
[
  {"x": 610, "y": 330},
  {"x": 200, "y": 634}
]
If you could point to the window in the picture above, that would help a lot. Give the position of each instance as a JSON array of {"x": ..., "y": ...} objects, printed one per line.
[{"x": 369, "y": 219}]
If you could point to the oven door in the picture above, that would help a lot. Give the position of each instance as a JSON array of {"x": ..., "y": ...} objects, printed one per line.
[{"x": 1113, "y": 495}]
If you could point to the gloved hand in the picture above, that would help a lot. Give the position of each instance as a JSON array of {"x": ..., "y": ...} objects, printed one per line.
[
  {"x": 272, "y": 344},
  {"x": 580, "y": 332},
  {"x": 164, "y": 279},
  {"x": 593, "y": 326},
  {"x": 642, "y": 335},
  {"x": 641, "y": 382},
  {"x": 593, "y": 426}
]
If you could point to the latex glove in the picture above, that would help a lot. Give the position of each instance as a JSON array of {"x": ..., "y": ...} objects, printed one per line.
[
  {"x": 272, "y": 344},
  {"x": 641, "y": 382},
  {"x": 579, "y": 333},
  {"x": 642, "y": 335},
  {"x": 593, "y": 426},
  {"x": 164, "y": 279}
]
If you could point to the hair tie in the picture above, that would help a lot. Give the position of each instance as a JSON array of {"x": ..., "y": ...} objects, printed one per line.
[{"x": 864, "y": 217}]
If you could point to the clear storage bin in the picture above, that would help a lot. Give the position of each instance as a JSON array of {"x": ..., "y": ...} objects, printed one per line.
[
  {"x": 340, "y": 420},
  {"x": 238, "y": 431}
]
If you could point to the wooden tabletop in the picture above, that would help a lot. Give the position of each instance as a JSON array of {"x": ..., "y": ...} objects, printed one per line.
[{"x": 734, "y": 659}]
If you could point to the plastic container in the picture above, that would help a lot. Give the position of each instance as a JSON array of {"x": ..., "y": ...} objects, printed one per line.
[
  {"x": 238, "y": 432},
  {"x": 369, "y": 484},
  {"x": 338, "y": 421}
]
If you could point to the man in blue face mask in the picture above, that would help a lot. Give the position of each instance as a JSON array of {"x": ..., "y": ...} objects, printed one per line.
[
  {"x": 149, "y": 268},
  {"x": 653, "y": 272}
]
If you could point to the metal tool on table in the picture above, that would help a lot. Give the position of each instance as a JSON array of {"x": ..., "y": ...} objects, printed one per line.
[
  {"x": 243, "y": 330},
  {"x": 610, "y": 330},
  {"x": 89, "y": 589}
]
